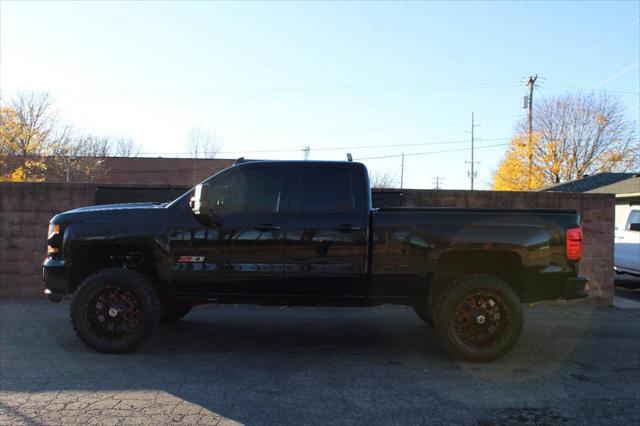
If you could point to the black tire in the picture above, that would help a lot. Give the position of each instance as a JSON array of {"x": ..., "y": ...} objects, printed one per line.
[
  {"x": 423, "y": 311},
  {"x": 174, "y": 313},
  {"x": 115, "y": 310},
  {"x": 479, "y": 318}
]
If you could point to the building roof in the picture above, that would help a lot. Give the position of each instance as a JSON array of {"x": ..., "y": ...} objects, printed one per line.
[
  {"x": 590, "y": 183},
  {"x": 627, "y": 186},
  {"x": 160, "y": 171},
  {"x": 125, "y": 170}
]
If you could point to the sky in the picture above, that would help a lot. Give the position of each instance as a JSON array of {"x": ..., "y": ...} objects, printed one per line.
[{"x": 375, "y": 79}]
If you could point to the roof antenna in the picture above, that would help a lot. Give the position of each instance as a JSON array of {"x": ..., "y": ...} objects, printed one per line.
[{"x": 349, "y": 157}]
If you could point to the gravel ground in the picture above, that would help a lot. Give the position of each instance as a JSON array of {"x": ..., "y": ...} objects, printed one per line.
[{"x": 279, "y": 366}]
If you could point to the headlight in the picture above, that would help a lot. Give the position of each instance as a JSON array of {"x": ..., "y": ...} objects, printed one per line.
[
  {"x": 54, "y": 239},
  {"x": 53, "y": 229}
]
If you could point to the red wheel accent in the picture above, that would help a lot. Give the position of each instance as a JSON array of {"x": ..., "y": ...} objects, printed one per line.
[
  {"x": 113, "y": 312},
  {"x": 481, "y": 319}
]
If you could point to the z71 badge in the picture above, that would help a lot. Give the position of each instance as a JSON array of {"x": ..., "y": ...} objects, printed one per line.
[{"x": 191, "y": 259}]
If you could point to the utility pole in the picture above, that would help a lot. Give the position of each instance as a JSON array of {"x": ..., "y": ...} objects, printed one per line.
[
  {"x": 472, "y": 150},
  {"x": 472, "y": 174},
  {"x": 436, "y": 180},
  {"x": 306, "y": 152},
  {"x": 195, "y": 165},
  {"x": 402, "y": 172},
  {"x": 531, "y": 84}
]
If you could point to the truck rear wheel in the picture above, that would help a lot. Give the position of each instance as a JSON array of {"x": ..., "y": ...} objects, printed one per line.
[
  {"x": 479, "y": 318},
  {"x": 114, "y": 310}
]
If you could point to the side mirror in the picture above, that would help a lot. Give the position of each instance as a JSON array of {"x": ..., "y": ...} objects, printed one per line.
[
  {"x": 201, "y": 207},
  {"x": 634, "y": 227}
]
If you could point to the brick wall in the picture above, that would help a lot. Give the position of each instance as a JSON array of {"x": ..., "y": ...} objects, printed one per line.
[{"x": 25, "y": 210}]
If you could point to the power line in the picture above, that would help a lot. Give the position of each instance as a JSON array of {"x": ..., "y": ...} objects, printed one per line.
[
  {"x": 367, "y": 129},
  {"x": 420, "y": 153},
  {"x": 563, "y": 85},
  {"x": 429, "y": 152},
  {"x": 290, "y": 93},
  {"x": 338, "y": 148},
  {"x": 310, "y": 91},
  {"x": 616, "y": 75},
  {"x": 631, "y": 108},
  {"x": 598, "y": 44}
]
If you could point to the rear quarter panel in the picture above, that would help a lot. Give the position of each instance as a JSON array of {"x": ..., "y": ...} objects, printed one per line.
[{"x": 409, "y": 245}]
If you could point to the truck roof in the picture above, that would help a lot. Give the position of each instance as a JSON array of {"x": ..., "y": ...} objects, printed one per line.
[{"x": 242, "y": 160}]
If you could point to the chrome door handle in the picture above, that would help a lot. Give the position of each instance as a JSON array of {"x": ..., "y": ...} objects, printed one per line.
[
  {"x": 347, "y": 228},
  {"x": 267, "y": 227}
]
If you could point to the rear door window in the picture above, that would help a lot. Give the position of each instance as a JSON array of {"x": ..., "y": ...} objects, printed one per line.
[{"x": 634, "y": 217}]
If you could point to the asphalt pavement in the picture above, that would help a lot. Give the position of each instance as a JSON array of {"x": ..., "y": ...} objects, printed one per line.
[{"x": 575, "y": 364}]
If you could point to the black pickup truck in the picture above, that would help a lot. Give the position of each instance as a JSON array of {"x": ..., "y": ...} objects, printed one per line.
[{"x": 304, "y": 233}]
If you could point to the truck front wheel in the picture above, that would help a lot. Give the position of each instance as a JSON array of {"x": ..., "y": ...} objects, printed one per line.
[
  {"x": 114, "y": 310},
  {"x": 479, "y": 318}
]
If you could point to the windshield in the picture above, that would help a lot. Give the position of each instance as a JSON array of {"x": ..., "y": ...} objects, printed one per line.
[{"x": 185, "y": 197}]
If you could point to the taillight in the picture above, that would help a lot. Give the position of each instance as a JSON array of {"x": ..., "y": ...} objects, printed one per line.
[{"x": 574, "y": 243}]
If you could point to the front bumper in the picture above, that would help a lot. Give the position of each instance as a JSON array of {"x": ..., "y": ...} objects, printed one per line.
[
  {"x": 575, "y": 288},
  {"x": 55, "y": 276}
]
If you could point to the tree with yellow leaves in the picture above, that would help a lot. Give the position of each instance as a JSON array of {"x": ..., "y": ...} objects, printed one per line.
[
  {"x": 513, "y": 172},
  {"x": 574, "y": 135},
  {"x": 25, "y": 128},
  {"x": 35, "y": 146}
]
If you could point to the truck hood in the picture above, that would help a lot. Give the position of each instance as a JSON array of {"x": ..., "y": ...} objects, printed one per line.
[
  {"x": 123, "y": 206},
  {"x": 130, "y": 212}
]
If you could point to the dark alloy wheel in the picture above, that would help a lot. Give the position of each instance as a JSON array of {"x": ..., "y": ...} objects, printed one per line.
[
  {"x": 114, "y": 310},
  {"x": 479, "y": 318}
]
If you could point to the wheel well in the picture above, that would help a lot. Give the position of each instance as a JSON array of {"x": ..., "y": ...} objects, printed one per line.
[
  {"x": 127, "y": 256},
  {"x": 504, "y": 265}
]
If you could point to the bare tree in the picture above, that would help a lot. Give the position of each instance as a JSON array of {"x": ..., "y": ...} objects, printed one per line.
[
  {"x": 37, "y": 121},
  {"x": 579, "y": 134},
  {"x": 25, "y": 128},
  {"x": 382, "y": 180},
  {"x": 77, "y": 158},
  {"x": 125, "y": 147},
  {"x": 201, "y": 144}
]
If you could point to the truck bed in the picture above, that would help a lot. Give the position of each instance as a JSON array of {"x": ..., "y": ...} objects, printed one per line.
[{"x": 408, "y": 246}]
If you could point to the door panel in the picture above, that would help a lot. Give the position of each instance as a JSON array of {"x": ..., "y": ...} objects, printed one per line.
[
  {"x": 326, "y": 238},
  {"x": 627, "y": 245},
  {"x": 245, "y": 254}
]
